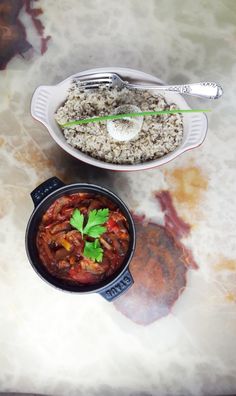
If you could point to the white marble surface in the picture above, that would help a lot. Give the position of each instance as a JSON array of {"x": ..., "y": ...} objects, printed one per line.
[{"x": 61, "y": 344}]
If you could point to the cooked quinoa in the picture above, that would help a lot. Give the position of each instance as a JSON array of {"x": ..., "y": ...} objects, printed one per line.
[{"x": 159, "y": 135}]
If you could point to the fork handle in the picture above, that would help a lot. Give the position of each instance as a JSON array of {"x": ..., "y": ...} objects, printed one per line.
[{"x": 207, "y": 90}]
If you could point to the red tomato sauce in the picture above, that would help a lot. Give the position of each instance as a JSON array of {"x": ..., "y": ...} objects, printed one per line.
[{"x": 61, "y": 246}]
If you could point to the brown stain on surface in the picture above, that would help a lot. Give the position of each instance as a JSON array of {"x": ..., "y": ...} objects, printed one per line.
[
  {"x": 187, "y": 185},
  {"x": 32, "y": 156},
  {"x": 34, "y": 13},
  {"x": 159, "y": 271},
  {"x": 13, "y": 38},
  {"x": 5, "y": 200},
  {"x": 158, "y": 268},
  {"x": 175, "y": 224},
  {"x": 230, "y": 297},
  {"x": 225, "y": 264},
  {"x": 12, "y": 33},
  {"x": 3, "y": 210},
  {"x": 172, "y": 220},
  {"x": 226, "y": 267}
]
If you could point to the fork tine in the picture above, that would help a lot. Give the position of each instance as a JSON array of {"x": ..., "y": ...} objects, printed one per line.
[
  {"x": 94, "y": 76},
  {"x": 90, "y": 86},
  {"x": 97, "y": 81}
]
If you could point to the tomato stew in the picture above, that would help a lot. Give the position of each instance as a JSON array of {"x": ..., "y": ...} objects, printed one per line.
[{"x": 61, "y": 247}]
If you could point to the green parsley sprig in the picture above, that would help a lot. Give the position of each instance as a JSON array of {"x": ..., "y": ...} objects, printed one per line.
[
  {"x": 93, "y": 250},
  {"x": 94, "y": 228}
]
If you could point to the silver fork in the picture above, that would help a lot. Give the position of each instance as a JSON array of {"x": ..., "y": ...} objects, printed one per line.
[{"x": 207, "y": 90}]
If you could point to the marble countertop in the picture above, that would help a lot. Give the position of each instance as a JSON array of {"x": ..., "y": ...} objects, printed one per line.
[{"x": 173, "y": 333}]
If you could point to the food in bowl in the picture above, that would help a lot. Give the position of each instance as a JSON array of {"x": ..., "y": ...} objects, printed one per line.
[
  {"x": 83, "y": 238},
  {"x": 156, "y": 137}
]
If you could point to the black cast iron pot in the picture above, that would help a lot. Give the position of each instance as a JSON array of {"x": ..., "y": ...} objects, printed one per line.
[{"x": 43, "y": 196}]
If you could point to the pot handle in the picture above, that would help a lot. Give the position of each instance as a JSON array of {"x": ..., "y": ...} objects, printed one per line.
[
  {"x": 44, "y": 189},
  {"x": 114, "y": 290}
]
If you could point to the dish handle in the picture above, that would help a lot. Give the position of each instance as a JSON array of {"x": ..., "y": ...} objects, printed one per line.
[
  {"x": 120, "y": 286},
  {"x": 198, "y": 125},
  {"x": 44, "y": 189},
  {"x": 40, "y": 102}
]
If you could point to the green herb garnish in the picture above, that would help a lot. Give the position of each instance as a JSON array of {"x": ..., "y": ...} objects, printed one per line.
[
  {"x": 93, "y": 250},
  {"x": 94, "y": 228},
  {"x": 77, "y": 221},
  {"x": 120, "y": 116}
]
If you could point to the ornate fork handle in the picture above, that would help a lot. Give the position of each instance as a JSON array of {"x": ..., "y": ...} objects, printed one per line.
[{"x": 208, "y": 90}]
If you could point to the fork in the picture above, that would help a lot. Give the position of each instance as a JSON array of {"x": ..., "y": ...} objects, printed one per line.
[{"x": 207, "y": 90}]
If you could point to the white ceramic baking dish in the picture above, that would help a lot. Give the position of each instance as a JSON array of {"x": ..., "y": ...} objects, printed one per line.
[{"x": 46, "y": 100}]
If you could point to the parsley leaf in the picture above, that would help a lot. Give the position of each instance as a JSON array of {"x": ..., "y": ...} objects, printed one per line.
[
  {"x": 77, "y": 220},
  {"x": 93, "y": 228},
  {"x": 97, "y": 231},
  {"x": 93, "y": 250},
  {"x": 96, "y": 218}
]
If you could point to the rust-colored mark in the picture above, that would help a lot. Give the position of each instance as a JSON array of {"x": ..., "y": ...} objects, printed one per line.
[
  {"x": 2, "y": 210},
  {"x": 187, "y": 185},
  {"x": 230, "y": 297},
  {"x": 44, "y": 44},
  {"x": 34, "y": 13},
  {"x": 4, "y": 204},
  {"x": 225, "y": 264},
  {"x": 2, "y": 142},
  {"x": 12, "y": 33},
  {"x": 32, "y": 156},
  {"x": 189, "y": 260},
  {"x": 159, "y": 267},
  {"x": 172, "y": 221},
  {"x": 175, "y": 224}
]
